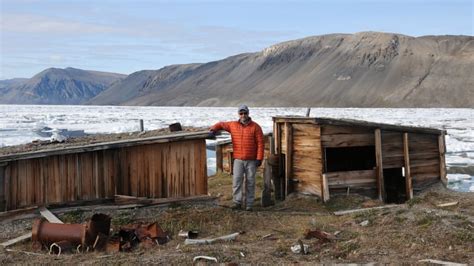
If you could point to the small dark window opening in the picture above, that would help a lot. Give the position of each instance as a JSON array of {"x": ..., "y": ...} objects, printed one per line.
[
  {"x": 394, "y": 181},
  {"x": 349, "y": 158}
]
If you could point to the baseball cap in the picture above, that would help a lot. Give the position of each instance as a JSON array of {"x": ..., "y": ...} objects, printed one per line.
[{"x": 243, "y": 108}]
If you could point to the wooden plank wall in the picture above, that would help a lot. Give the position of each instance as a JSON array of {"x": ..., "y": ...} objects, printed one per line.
[
  {"x": 307, "y": 165},
  {"x": 424, "y": 159},
  {"x": 344, "y": 136},
  {"x": 392, "y": 149},
  {"x": 174, "y": 169}
]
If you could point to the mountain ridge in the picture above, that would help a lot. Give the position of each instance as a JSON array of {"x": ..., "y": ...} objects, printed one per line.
[{"x": 365, "y": 69}]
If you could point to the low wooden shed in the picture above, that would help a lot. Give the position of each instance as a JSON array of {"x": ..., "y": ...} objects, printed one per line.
[
  {"x": 323, "y": 156},
  {"x": 167, "y": 166}
]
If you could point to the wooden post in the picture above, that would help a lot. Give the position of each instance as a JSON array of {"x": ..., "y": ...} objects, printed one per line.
[
  {"x": 442, "y": 162},
  {"x": 279, "y": 186},
  {"x": 378, "y": 160},
  {"x": 219, "y": 159},
  {"x": 308, "y": 111},
  {"x": 2, "y": 189},
  {"x": 406, "y": 156},
  {"x": 288, "y": 158},
  {"x": 325, "y": 189},
  {"x": 141, "y": 125}
]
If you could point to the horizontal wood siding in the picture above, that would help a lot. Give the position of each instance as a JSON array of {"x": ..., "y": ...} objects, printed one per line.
[
  {"x": 361, "y": 178},
  {"x": 392, "y": 149},
  {"x": 173, "y": 169},
  {"x": 343, "y": 136},
  {"x": 307, "y": 158},
  {"x": 424, "y": 159}
]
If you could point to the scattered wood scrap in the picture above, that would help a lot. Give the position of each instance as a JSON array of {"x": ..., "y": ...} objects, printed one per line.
[
  {"x": 211, "y": 240},
  {"x": 366, "y": 209},
  {"x": 16, "y": 240},
  {"x": 440, "y": 262},
  {"x": 124, "y": 199},
  {"x": 448, "y": 204},
  {"x": 49, "y": 216}
]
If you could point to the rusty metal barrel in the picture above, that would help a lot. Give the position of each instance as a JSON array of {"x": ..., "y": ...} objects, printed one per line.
[{"x": 47, "y": 233}]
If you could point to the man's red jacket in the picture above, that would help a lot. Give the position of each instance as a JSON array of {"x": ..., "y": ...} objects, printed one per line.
[{"x": 247, "y": 140}]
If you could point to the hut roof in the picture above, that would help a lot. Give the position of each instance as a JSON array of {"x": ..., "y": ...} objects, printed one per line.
[
  {"x": 106, "y": 145},
  {"x": 359, "y": 123}
]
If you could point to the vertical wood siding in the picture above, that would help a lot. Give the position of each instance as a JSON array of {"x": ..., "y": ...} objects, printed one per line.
[
  {"x": 307, "y": 158},
  {"x": 173, "y": 169}
]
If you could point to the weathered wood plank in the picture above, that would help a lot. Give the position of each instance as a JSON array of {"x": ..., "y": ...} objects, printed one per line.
[
  {"x": 379, "y": 164},
  {"x": 347, "y": 140},
  {"x": 49, "y": 216},
  {"x": 442, "y": 160},
  {"x": 3, "y": 189},
  {"x": 16, "y": 240},
  {"x": 325, "y": 190},
  {"x": 408, "y": 178},
  {"x": 288, "y": 159},
  {"x": 331, "y": 129}
]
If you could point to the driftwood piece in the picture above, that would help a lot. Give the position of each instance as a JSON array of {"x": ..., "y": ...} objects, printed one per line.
[
  {"x": 440, "y": 262},
  {"x": 204, "y": 258},
  {"x": 24, "y": 252},
  {"x": 211, "y": 240},
  {"x": 16, "y": 240},
  {"x": 49, "y": 216},
  {"x": 448, "y": 204},
  {"x": 366, "y": 209}
]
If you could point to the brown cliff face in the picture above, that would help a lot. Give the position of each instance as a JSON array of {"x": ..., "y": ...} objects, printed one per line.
[{"x": 367, "y": 69}]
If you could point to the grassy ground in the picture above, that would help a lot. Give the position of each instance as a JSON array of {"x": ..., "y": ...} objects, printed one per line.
[{"x": 409, "y": 233}]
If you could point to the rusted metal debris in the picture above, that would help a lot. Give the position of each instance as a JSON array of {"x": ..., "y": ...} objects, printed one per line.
[
  {"x": 319, "y": 234},
  {"x": 45, "y": 233},
  {"x": 60, "y": 247},
  {"x": 146, "y": 235},
  {"x": 94, "y": 235}
]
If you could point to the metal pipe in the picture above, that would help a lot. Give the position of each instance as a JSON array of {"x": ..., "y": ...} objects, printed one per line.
[{"x": 48, "y": 233}]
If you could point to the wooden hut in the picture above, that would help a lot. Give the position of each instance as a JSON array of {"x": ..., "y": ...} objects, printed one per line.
[
  {"x": 168, "y": 166},
  {"x": 225, "y": 156},
  {"x": 322, "y": 156}
]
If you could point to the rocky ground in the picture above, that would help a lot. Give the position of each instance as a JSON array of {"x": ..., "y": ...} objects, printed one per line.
[{"x": 408, "y": 233}]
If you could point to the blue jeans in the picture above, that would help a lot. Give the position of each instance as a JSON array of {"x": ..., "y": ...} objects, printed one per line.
[{"x": 249, "y": 169}]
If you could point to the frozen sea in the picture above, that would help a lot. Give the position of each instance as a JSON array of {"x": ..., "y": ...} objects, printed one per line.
[{"x": 19, "y": 122}]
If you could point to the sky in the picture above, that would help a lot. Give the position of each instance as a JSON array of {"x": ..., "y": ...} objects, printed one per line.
[{"x": 125, "y": 36}]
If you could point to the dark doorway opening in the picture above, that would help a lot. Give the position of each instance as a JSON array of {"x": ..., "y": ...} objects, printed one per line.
[
  {"x": 349, "y": 158},
  {"x": 395, "y": 185}
]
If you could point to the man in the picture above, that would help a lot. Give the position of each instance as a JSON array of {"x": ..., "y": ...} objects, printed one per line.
[{"x": 248, "y": 145}]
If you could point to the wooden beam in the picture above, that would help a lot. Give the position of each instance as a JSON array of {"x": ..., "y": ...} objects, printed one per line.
[
  {"x": 442, "y": 160},
  {"x": 288, "y": 158},
  {"x": 49, "y": 216},
  {"x": 378, "y": 160},
  {"x": 406, "y": 157},
  {"x": 353, "y": 122}
]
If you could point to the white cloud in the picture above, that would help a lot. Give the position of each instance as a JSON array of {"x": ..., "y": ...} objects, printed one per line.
[{"x": 26, "y": 23}]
